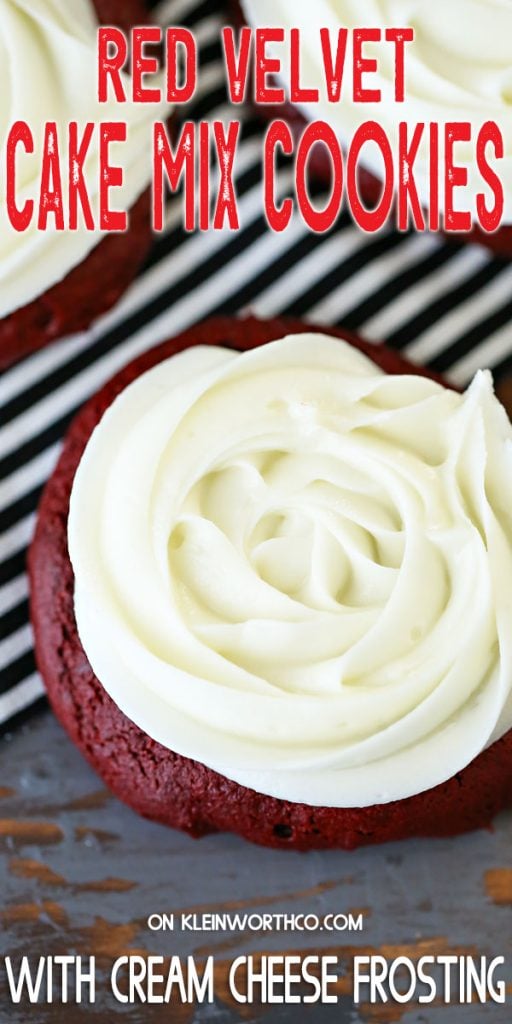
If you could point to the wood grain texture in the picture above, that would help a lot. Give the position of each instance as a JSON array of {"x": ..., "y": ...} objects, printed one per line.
[
  {"x": 81, "y": 874},
  {"x": 498, "y": 882}
]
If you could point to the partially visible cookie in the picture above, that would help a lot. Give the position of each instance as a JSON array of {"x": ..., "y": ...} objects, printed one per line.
[
  {"x": 368, "y": 185},
  {"x": 87, "y": 291},
  {"x": 93, "y": 286}
]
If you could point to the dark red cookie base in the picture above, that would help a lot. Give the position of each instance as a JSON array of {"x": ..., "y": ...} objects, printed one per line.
[
  {"x": 94, "y": 285},
  {"x": 174, "y": 790}
]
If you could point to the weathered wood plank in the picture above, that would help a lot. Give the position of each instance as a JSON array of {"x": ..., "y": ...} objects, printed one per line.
[{"x": 81, "y": 873}]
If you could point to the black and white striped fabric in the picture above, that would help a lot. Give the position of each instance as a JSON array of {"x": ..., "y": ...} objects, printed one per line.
[{"x": 444, "y": 305}]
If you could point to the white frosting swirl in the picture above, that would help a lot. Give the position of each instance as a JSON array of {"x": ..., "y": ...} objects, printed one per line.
[
  {"x": 48, "y": 72},
  {"x": 298, "y": 570},
  {"x": 459, "y": 68}
]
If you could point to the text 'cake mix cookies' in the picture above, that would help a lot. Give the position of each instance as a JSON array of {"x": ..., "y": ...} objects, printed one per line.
[
  {"x": 287, "y": 601},
  {"x": 56, "y": 281}
]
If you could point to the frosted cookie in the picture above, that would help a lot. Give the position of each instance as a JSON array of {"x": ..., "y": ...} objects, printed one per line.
[
  {"x": 55, "y": 282},
  {"x": 270, "y": 589},
  {"x": 456, "y": 70}
]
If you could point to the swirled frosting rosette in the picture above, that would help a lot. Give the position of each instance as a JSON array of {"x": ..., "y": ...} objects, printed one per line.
[{"x": 297, "y": 569}]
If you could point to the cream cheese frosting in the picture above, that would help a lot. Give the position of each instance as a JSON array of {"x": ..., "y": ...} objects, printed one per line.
[
  {"x": 48, "y": 72},
  {"x": 297, "y": 569},
  {"x": 459, "y": 68}
]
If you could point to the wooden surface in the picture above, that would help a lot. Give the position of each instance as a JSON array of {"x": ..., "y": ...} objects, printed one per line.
[{"x": 80, "y": 873}]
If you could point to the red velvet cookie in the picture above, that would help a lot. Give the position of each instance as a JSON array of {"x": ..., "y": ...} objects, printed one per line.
[
  {"x": 93, "y": 286},
  {"x": 369, "y": 187},
  {"x": 163, "y": 785}
]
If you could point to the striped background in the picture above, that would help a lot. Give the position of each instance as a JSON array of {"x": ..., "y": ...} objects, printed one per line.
[{"x": 444, "y": 305}]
